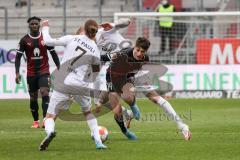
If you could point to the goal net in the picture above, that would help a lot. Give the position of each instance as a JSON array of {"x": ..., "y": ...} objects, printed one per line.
[{"x": 193, "y": 37}]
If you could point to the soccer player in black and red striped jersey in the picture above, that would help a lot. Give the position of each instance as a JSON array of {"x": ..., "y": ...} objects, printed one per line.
[{"x": 38, "y": 75}]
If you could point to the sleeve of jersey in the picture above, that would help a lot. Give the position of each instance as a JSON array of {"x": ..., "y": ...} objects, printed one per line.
[
  {"x": 54, "y": 56},
  {"x": 20, "y": 51},
  {"x": 49, "y": 41},
  {"x": 21, "y": 47},
  {"x": 105, "y": 58},
  {"x": 122, "y": 23}
]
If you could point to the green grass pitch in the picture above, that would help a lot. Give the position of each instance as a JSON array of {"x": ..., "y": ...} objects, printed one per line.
[{"x": 215, "y": 127}]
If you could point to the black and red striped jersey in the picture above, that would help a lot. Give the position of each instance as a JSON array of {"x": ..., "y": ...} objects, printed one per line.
[{"x": 36, "y": 54}]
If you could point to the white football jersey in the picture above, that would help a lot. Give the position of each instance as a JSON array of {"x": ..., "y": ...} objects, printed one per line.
[
  {"x": 111, "y": 41},
  {"x": 80, "y": 45},
  {"x": 76, "y": 46}
]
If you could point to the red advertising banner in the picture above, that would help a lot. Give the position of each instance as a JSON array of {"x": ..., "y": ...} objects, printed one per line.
[{"x": 218, "y": 51}]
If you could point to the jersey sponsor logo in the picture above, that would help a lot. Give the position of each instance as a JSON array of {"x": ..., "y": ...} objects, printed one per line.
[{"x": 36, "y": 53}]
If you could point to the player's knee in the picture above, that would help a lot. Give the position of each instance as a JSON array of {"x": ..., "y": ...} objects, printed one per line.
[
  {"x": 153, "y": 96},
  {"x": 117, "y": 110},
  {"x": 33, "y": 96},
  {"x": 129, "y": 99},
  {"x": 154, "y": 99},
  {"x": 117, "y": 115},
  {"x": 44, "y": 91}
]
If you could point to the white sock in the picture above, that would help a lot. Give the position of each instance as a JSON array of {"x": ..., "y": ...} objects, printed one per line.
[
  {"x": 166, "y": 106},
  {"x": 124, "y": 109},
  {"x": 93, "y": 125},
  {"x": 49, "y": 125}
]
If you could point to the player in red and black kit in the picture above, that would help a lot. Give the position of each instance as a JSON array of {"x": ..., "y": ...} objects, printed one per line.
[
  {"x": 38, "y": 75},
  {"x": 120, "y": 80}
]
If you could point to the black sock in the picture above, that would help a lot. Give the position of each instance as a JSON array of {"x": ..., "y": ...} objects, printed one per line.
[
  {"x": 34, "y": 110},
  {"x": 45, "y": 101},
  {"x": 120, "y": 123}
]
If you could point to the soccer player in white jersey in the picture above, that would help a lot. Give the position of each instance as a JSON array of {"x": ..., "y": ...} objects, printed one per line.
[
  {"x": 110, "y": 39},
  {"x": 73, "y": 44}
]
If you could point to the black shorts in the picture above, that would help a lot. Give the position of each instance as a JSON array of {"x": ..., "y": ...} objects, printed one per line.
[
  {"x": 115, "y": 84},
  {"x": 35, "y": 82}
]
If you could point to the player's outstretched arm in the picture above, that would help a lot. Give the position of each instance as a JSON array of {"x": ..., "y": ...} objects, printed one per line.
[
  {"x": 122, "y": 23},
  {"x": 49, "y": 41}
]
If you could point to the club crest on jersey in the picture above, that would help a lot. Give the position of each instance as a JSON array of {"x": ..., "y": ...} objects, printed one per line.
[{"x": 42, "y": 42}]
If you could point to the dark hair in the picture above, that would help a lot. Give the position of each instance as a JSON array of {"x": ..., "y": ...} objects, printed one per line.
[
  {"x": 143, "y": 42},
  {"x": 91, "y": 28},
  {"x": 34, "y": 17}
]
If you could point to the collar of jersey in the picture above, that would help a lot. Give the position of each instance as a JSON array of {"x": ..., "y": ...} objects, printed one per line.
[{"x": 40, "y": 33}]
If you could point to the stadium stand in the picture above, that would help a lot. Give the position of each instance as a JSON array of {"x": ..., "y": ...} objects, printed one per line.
[
  {"x": 52, "y": 10},
  {"x": 186, "y": 31}
]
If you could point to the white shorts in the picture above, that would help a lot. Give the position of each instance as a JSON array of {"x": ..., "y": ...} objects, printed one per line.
[{"x": 60, "y": 101}]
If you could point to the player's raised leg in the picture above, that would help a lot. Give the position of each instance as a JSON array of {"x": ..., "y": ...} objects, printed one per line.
[
  {"x": 128, "y": 95},
  {"x": 167, "y": 107}
]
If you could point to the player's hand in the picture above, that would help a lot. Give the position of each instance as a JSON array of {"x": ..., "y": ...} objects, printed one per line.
[
  {"x": 45, "y": 23},
  {"x": 18, "y": 78},
  {"x": 114, "y": 56},
  {"x": 106, "y": 26}
]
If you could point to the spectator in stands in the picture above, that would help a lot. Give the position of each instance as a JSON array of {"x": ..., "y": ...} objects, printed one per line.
[
  {"x": 166, "y": 25},
  {"x": 20, "y": 3}
]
